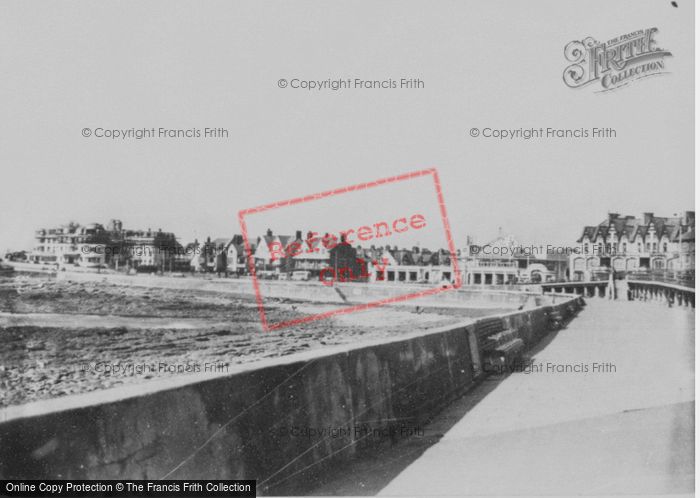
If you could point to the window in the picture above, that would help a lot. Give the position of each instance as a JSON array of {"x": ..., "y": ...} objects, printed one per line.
[
  {"x": 665, "y": 247},
  {"x": 654, "y": 247},
  {"x": 624, "y": 247}
]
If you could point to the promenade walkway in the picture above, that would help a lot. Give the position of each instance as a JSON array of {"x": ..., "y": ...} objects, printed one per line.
[{"x": 624, "y": 426}]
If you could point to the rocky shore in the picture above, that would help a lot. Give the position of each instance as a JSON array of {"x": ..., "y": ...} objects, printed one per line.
[{"x": 61, "y": 337}]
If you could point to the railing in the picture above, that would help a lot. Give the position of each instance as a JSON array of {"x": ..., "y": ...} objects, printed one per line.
[
  {"x": 685, "y": 278},
  {"x": 644, "y": 253},
  {"x": 674, "y": 291},
  {"x": 491, "y": 264}
]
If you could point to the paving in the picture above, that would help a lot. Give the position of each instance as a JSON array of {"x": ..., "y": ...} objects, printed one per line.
[
  {"x": 606, "y": 407},
  {"x": 613, "y": 414}
]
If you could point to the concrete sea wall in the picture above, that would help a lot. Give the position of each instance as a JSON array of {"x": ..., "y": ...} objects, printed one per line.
[
  {"x": 466, "y": 296},
  {"x": 241, "y": 425}
]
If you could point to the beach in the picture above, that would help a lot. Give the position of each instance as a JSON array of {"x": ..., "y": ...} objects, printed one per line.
[{"x": 62, "y": 337}]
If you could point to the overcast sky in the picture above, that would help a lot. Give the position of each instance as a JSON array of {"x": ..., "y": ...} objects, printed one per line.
[{"x": 67, "y": 66}]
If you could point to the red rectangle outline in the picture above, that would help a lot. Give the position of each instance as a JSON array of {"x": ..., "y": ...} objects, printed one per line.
[{"x": 322, "y": 195}]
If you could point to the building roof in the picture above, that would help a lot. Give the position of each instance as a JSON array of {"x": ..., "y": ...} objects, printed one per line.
[
  {"x": 311, "y": 249},
  {"x": 631, "y": 226},
  {"x": 221, "y": 242}
]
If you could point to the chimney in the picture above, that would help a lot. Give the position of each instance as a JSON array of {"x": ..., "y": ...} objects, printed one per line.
[
  {"x": 269, "y": 232},
  {"x": 298, "y": 235},
  {"x": 613, "y": 216},
  {"x": 648, "y": 217},
  {"x": 115, "y": 225},
  {"x": 689, "y": 218}
]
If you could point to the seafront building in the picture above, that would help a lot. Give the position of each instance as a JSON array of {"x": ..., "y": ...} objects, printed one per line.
[
  {"x": 70, "y": 244},
  {"x": 415, "y": 265},
  {"x": 113, "y": 246},
  {"x": 218, "y": 255},
  {"x": 306, "y": 257},
  {"x": 627, "y": 244},
  {"x": 619, "y": 244},
  {"x": 505, "y": 261},
  {"x": 98, "y": 246}
]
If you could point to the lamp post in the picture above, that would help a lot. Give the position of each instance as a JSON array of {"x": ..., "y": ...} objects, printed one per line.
[{"x": 680, "y": 248}]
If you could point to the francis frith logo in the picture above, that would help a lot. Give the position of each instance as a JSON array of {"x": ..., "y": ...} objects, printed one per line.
[{"x": 616, "y": 62}]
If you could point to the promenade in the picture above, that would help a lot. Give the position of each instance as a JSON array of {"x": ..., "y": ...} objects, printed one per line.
[
  {"x": 625, "y": 428},
  {"x": 613, "y": 414}
]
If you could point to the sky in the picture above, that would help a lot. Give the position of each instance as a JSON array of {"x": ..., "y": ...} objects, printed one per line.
[{"x": 191, "y": 65}]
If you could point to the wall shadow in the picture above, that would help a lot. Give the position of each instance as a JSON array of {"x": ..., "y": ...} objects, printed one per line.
[{"x": 370, "y": 472}]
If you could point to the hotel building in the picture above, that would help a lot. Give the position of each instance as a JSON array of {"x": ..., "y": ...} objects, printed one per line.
[{"x": 629, "y": 244}]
